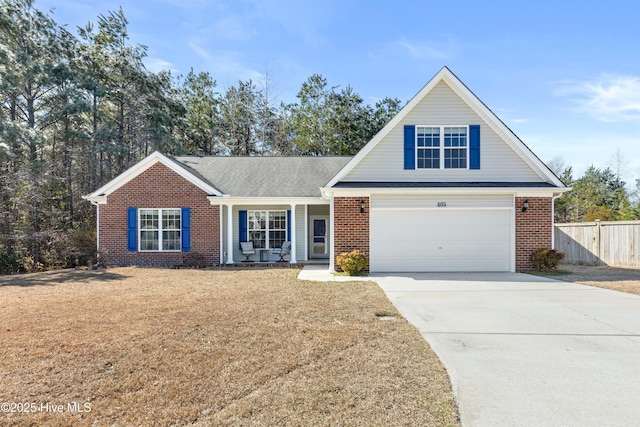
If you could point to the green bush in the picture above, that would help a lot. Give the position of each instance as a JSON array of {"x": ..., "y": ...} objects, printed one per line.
[
  {"x": 10, "y": 262},
  {"x": 352, "y": 262},
  {"x": 544, "y": 259}
]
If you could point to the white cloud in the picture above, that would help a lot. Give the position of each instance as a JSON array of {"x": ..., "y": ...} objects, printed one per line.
[
  {"x": 439, "y": 51},
  {"x": 234, "y": 28},
  {"x": 611, "y": 98},
  {"x": 425, "y": 50},
  {"x": 157, "y": 64},
  {"x": 226, "y": 67}
]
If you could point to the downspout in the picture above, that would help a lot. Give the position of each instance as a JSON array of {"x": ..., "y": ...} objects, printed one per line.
[
  {"x": 221, "y": 234},
  {"x": 97, "y": 231}
]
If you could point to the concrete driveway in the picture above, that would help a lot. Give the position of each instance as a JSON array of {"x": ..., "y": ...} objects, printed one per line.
[{"x": 528, "y": 351}]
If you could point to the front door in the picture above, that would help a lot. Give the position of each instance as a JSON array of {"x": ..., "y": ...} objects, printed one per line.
[{"x": 319, "y": 232}]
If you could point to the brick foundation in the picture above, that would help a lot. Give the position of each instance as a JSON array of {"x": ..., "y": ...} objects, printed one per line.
[
  {"x": 533, "y": 229},
  {"x": 350, "y": 228},
  {"x": 159, "y": 187}
]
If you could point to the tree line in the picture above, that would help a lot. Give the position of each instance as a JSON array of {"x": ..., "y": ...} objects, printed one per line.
[
  {"x": 78, "y": 109},
  {"x": 599, "y": 194}
]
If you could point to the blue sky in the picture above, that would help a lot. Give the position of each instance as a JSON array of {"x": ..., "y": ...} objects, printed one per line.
[{"x": 563, "y": 75}]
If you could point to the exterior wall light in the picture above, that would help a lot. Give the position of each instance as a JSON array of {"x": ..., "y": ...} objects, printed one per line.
[
  {"x": 361, "y": 206},
  {"x": 525, "y": 205}
]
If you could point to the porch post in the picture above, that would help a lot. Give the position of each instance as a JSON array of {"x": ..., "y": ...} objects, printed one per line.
[
  {"x": 292, "y": 226},
  {"x": 332, "y": 265},
  {"x": 229, "y": 233}
]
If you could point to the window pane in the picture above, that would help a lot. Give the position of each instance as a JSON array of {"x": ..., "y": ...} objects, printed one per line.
[
  {"x": 257, "y": 220},
  {"x": 148, "y": 240},
  {"x": 171, "y": 219},
  {"x": 171, "y": 240},
  {"x": 428, "y": 158},
  {"x": 428, "y": 136},
  {"x": 277, "y": 228},
  {"x": 148, "y": 219},
  {"x": 455, "y": 158},
  {"x": 276, "y": 238},
  {"x": 455, "y": 137},
  {"x": 258, "y": 239},
  {"x": 277, "y": 220}
]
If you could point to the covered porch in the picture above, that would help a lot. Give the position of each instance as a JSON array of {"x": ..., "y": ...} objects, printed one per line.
[{"x": 269, "y": 222}]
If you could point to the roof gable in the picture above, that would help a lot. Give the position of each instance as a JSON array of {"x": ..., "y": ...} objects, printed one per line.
[
  {"x": 518, "y": 155},
  {"x": 100, "y": 195}
]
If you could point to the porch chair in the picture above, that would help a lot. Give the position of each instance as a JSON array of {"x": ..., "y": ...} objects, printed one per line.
[
  {"x": 283, "y": 251},
  {"x": 247, "y": 250}
]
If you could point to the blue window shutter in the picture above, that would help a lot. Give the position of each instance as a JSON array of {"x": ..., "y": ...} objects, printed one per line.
[
  {"x": 409, "y": 147},
  {"x": 186, "y": 229},
  {"x": 132, "y": 229},
  {"x": 242, "y": 225},
  {"x": 288, "y": 226},
  {"x": 474, "y": 146}
]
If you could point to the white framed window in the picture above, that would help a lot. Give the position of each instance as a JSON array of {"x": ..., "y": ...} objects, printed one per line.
[
  {"x": 442, "y": 147},
  {"x": 160, "y": 230},
  {"x": 267, "y": 229}
]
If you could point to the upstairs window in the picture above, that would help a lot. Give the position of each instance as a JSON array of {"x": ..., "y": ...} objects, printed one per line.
[{"x": 442, "y": 147}]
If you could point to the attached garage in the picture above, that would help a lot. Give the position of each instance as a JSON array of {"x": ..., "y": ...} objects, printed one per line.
[{"x": 441, "y": 233}]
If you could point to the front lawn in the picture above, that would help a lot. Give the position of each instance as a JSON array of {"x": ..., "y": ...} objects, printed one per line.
[
  {"x": 614, "y": 278},
  {"x": 212, "y": 347}
]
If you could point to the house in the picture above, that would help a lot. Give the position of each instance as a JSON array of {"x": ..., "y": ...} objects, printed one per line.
[{"x": 444, "y": 186}]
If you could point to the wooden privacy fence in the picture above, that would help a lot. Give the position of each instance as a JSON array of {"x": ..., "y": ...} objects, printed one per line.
[{"x": 614, "y": 243}]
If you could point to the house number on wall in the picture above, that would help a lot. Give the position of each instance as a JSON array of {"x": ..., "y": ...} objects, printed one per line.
[{"x": 442, "y": 204}]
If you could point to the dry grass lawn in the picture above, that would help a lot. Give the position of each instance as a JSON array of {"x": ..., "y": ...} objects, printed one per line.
[
  {"x": 617, "y": 279},
  {"x": 150, "y": 347}
]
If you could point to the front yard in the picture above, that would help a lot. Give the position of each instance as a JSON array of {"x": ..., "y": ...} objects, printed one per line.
[
  {"x": 134, "y": 346},
  {"x": 614, "y": 278}
]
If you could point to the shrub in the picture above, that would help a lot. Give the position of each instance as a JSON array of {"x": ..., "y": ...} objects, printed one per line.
[
  {"x": 100, "y": 260},
  {"x": 194, "y": 260},
  {"x": 544, "y": 259},
  {"x": 83, "y": 246},
  {"x": 10, "y": 262},
  {"x": 353, "y": 262}
]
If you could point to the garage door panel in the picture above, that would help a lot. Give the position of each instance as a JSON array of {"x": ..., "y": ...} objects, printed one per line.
[{"x": 424, "y": 240}]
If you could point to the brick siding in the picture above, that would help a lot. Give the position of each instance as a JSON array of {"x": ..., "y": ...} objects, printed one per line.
[
  {"x": 351, "y": 228},
  {"x": 158, "y": 187},
  {"x": 533, "y": 229}
]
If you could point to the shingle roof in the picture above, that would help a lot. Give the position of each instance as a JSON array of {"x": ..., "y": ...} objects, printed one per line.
[{"x": 265, "y": 176}]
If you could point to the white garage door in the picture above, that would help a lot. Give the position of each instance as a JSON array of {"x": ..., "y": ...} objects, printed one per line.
[{"x": 440, "y": 240}]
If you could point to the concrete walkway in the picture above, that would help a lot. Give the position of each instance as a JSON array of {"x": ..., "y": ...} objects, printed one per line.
[
  {"x": 320, "y": 273},
  {"x": 527, "y": 351}
]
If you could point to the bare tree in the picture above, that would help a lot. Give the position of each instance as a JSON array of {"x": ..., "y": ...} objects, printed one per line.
[
  {"x": 557, "y": 165},
  {"x": 619, "y": 164}
]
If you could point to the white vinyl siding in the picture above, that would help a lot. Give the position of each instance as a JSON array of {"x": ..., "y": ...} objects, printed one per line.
[
  {"x": 442, "y": 105},
  {"x": 300, "y": 232}
]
